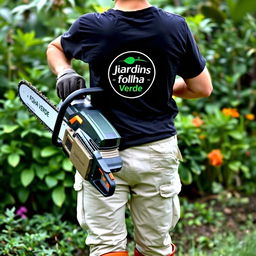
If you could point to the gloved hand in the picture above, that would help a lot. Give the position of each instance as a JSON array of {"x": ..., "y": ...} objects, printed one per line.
[{"x": 67, "y": 82}]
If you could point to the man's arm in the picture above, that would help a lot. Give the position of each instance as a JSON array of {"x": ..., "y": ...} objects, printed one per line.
[
  {"x": 56, "y": 58},
  {"x": 67, "y": 79},
  {"x": 196, "y": 87}
]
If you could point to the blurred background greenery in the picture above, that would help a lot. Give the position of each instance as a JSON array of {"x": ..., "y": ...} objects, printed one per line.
[{"x": 216, "y": 134}]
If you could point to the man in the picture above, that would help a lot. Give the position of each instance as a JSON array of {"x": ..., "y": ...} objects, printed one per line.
[{"x": 134, "y": 52}]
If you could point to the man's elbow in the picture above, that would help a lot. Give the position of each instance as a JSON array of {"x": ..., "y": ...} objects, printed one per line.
[
  {"x": 202, "y": 91},
  {"x": 207, "y": 91}
]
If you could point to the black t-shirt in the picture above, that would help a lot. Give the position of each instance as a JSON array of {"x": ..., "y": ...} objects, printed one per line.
[{"x": 135, "y": 56}]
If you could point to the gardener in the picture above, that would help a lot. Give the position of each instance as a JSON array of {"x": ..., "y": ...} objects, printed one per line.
[{"x": 134, "y": 52}]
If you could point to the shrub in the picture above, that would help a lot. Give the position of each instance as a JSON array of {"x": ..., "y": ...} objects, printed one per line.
[
  {"x": 40, "y": 235},
  {"x": 34, "y": 173},
  {"x": 216, "y": 149}
]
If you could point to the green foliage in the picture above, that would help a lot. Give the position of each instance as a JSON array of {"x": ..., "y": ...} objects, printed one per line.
[
  {"x": 32, "y": 171},
  {"x": 230, "y": 53},
  {"x": 198, "y": 214},
  {"x": 206, "y": 228},
  {"x": 215, "y": 131},
  {"x": 40, "y": 235},
  {"x": 216, "y": 225},
  {"x": 225, "y": 244},
  {"x": 35, "y": 173},
  {"x": 228, "y": 45}
]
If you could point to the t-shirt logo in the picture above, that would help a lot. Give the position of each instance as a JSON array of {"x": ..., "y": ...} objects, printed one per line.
[{"x": 131, "y": 74}]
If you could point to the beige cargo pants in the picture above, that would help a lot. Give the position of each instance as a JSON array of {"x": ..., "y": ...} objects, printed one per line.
[{"x": 149, "y": 185}]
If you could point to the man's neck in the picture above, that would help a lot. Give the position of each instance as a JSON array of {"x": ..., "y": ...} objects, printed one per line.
[{"x": 131, "y": 5}]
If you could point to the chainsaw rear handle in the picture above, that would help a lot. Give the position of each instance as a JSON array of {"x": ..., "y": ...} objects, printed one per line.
[{"x": 74, "y": 95}]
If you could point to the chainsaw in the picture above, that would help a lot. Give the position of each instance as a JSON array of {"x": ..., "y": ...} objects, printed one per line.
[{"x": 85, "y": 135}]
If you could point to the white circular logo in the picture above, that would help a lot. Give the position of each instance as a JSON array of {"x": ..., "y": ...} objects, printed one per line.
[{"x": 131, "y": 74}]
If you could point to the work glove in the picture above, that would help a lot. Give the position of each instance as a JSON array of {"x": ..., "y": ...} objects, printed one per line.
[{"x": 67, "y": 82}]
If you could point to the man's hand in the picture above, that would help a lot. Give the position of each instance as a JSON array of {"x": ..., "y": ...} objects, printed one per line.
[{"x": 68, "y": 81}]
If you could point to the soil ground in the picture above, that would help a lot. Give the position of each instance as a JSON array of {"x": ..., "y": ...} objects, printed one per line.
[{"x": 237, "y": 211}]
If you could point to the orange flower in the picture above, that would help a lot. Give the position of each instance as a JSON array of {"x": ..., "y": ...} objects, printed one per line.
[
  {"x": 215, "y": 157},
  {"x": 230, "y": 112},
  {"x": 197, "y": 121},
  {"x": 250, "y": 117}
]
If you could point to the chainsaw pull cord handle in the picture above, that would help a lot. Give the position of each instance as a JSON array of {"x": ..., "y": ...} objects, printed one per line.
[{"x": 61, "y": 114}]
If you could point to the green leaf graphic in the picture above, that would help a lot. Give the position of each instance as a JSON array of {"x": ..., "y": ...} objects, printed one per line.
[{"x": 132, "y": 60}]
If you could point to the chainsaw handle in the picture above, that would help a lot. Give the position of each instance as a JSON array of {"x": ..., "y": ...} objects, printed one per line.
[{"x": 65, "y": 104}]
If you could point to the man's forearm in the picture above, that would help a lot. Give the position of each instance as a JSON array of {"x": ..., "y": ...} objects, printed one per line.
[
  {"x": 56, "y": 58},
  {"x": 191, "y": 88},
  {"x": 181, "y": 90}
]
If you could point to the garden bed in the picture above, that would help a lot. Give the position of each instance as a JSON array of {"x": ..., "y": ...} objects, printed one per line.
[
  {"x": 208, "y": 226},
  {"x": 214, "y": 220}
]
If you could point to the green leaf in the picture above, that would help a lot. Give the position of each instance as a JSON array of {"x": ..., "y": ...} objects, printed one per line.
[
  {"x": 68, "y": 182},
  {"x": 234, "y": 165},
  {"x": 42, "y": 171},
  {"x": 236, "y": 135},
  {"x": 67, "y": 165},
  {"x": 195, "y": 168},
  {"x": 10, "y": 128},
  {"x": 72, "y": 2},
  {"x": 58, "y": 196},
  {"x": 23, "y": 194},
  {"x": 242, "y": 8},
  {"x": 6, "y": 149},
  {"x": 27, "y": 177},
  {"x": 10, "y": 95},
  {"x": 245, "y": 169},
  {"x": 13, "y": 159},
  {"x": 39, "y": 133},
  {"x": 51, "y": 181},
  {"x": 36, "y": 153},
  {"x": 7, "y": 200},
  {"x": 21, "y": 8},
  {"x": 60, "y": 175},
  {"x": 214, "y": 138},
  {"x": 48, "y": 151},
  {"x": 185, "y": 175}
]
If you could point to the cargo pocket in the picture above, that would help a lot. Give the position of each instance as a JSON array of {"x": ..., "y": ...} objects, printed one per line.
[
  {"x": 174, "y": 188},
  {"x": 176, "y": 211},
  {"x": 171, "y": 191},
  {"x": 78, "y": 187}
]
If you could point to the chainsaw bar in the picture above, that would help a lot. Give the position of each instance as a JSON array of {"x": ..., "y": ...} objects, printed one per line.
[{"x": 40, "y": 107}]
